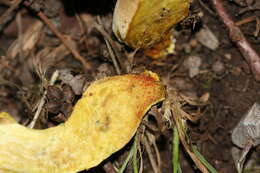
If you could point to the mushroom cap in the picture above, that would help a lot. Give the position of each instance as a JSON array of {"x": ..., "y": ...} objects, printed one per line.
[
  {"x": 144, "y": 23},
  {"x": 103, "y": 121}
]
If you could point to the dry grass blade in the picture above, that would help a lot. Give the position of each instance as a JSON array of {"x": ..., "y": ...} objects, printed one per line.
[
  {"x": 181, "y": 126},
  {"x": 155, "y": 167},
  {"x": 151, "y": 139},
  {"x": 141, "y": 167},
  {"x": 115, "y": 58},
  {"x": 54, "y": 77},
  {"x": 175, "y": 151}
]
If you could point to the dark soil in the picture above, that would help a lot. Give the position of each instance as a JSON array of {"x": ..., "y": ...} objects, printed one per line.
[{"x": 223, "y": 74}]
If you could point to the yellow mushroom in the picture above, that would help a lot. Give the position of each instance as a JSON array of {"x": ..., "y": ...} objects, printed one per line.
[
  {"x": 145, "y": 23},
  {"x": 102, "y": 122}
]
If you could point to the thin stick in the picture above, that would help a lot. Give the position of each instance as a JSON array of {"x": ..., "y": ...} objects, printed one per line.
[
  {"x": 73, "y": 51},
  {"x": 9, "y": 11},
  {"x": 54, "y": 77},
  {"x": 110, "y": 50},
  {"x": 113, "y": 57},
  {"x": 141, "y": 167},
  {"x": 207, "y": 8},
  {"x": 119, "y": 56},
  {"x": 150, "y": 155},
  {"x": 246, "y": 20},
  {"x": 158, "y": 156},
  {"x": 239, "y": 39},
  {"x": 257, "y": 30},
  {"x": 20, "y": 33}
]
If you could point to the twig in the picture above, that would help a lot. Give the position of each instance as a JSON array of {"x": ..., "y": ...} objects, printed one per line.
[
  {"x": 82, "y": 28},
  {"x": 110, "y": 50},
  {"x": 150, "y": 155},
  {"x": 130, "y": 59},
  {"x": 54, "y": 77},
  {"x": 113, "y": 57},
  {"x": 239, "y": 39},
  {"x": 73, "y": 51},
  {"x": 141, "y": 167},
  {"x": 257, "y": 30},
  {"x": 20, "y": 33},
  {"x": 119, "y": 56},
  {"x": 206, "y": 8},
  {"x": 3, "y": 18},
  {"x": 249, "y": 8},
  {"x": 245, "y": 21}
]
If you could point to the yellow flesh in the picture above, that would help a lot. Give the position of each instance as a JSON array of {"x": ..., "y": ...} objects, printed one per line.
[
  {"x": 103, "y": 121},
  {"x": 152, "y": 21}
]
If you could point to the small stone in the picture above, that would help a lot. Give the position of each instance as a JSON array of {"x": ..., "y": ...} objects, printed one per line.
[
  {"x": 182, "y": 84},
  {"x": 207, "y": 38},
  {"x": 205, "y": 97},
  {"x": 218, "y": 67},
  {"x": 228, "y": 56},
  {"x": 193, "y": 64},
  {"x": 194, "y": 43},
  {"x": 248, "y": 129},
  {"x": 76, "y": 82},
  {"x": 187, "y": 48},
  {"x": 236, "y": 71}
]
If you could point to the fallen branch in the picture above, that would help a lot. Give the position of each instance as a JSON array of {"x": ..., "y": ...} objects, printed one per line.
[{"x": 239, "y": 39}]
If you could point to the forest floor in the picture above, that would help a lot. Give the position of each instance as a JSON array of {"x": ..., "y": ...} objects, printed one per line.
[{"x": 30, "y": 52}]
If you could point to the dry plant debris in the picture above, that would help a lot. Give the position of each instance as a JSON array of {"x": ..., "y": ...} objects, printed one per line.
[
  {"x": 38, "y": 49},
  {"x": 103, "y": 121},
  {"x": 251, "y": 56}
]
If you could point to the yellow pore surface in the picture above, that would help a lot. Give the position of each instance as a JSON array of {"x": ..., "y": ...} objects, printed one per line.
[
  {"x": 102, "y": 122},
  {"x": 148, "y": 22}
]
